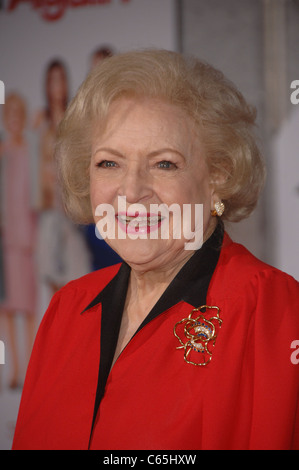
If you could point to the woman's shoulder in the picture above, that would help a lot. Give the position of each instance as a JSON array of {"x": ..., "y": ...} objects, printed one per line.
[
  {"x": 93, "y": 282},
  {"x": 239, "y": 271},
  {"x": 67, "y": 306},
  {"x": 77, "y": 294}
]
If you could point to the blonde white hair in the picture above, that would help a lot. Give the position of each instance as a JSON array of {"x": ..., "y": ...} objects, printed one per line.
[{"x": 224, "y": 120}]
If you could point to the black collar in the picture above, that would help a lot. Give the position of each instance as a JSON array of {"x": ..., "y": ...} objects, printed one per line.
[
  {"x": 189, "y": 285},
  {"x": 184, "y": 286}
]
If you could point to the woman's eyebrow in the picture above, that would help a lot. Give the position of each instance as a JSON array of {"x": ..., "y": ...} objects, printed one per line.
[
  {"x": 109, "y": 150},
  {"x": 166, "y": 150},
  {"x": 152, "y": 154}
]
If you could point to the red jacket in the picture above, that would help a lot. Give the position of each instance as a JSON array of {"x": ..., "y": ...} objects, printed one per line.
[{"x": 246, "y": 397}]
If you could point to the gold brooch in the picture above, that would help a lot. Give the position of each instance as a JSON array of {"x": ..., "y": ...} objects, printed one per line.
[{"x": 200, "y": 334}]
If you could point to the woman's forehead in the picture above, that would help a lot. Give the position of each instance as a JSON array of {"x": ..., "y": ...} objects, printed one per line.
[{"x": 146, "y": 117}]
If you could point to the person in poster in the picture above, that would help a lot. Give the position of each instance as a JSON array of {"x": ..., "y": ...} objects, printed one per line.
[
  {"x": 18, "y": 231},
  {"x": 62, "y": 254}
]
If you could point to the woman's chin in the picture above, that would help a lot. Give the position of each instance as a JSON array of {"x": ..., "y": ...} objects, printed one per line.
[
  {"x": 136, "y": 252},
  {"x": 147, "y": 254}
]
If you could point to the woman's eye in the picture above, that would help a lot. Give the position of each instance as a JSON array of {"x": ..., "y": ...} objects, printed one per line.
[
  {"x": 165, "y": 164},
  {"x": 106, "y": 164}
]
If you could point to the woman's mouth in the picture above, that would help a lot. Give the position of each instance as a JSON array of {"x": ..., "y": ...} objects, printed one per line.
[{"x": 140, "y": 223}]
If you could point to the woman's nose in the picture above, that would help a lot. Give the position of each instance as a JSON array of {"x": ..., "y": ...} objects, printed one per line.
[{"x": 136, "y": 185}]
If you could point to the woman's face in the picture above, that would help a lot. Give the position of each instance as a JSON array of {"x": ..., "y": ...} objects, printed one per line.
[{"x": 148, "y": 155}]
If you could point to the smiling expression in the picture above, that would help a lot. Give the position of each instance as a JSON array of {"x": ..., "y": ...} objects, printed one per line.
[{"x": 148, "y": 153}]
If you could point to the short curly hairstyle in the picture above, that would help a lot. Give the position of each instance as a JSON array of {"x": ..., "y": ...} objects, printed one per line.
[{"x": 224, "y": 121}]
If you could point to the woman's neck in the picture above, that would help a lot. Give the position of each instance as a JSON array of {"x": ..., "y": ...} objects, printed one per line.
[{"x": 145, "y": 288}]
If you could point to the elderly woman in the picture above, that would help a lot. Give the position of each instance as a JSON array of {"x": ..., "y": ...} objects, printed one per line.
[{"x": 184, "y": 345}]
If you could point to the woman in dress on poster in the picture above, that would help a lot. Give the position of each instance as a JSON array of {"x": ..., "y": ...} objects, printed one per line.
[
  {"x": 58, "y": 239},
  {"x": 19, "y": 232}
]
